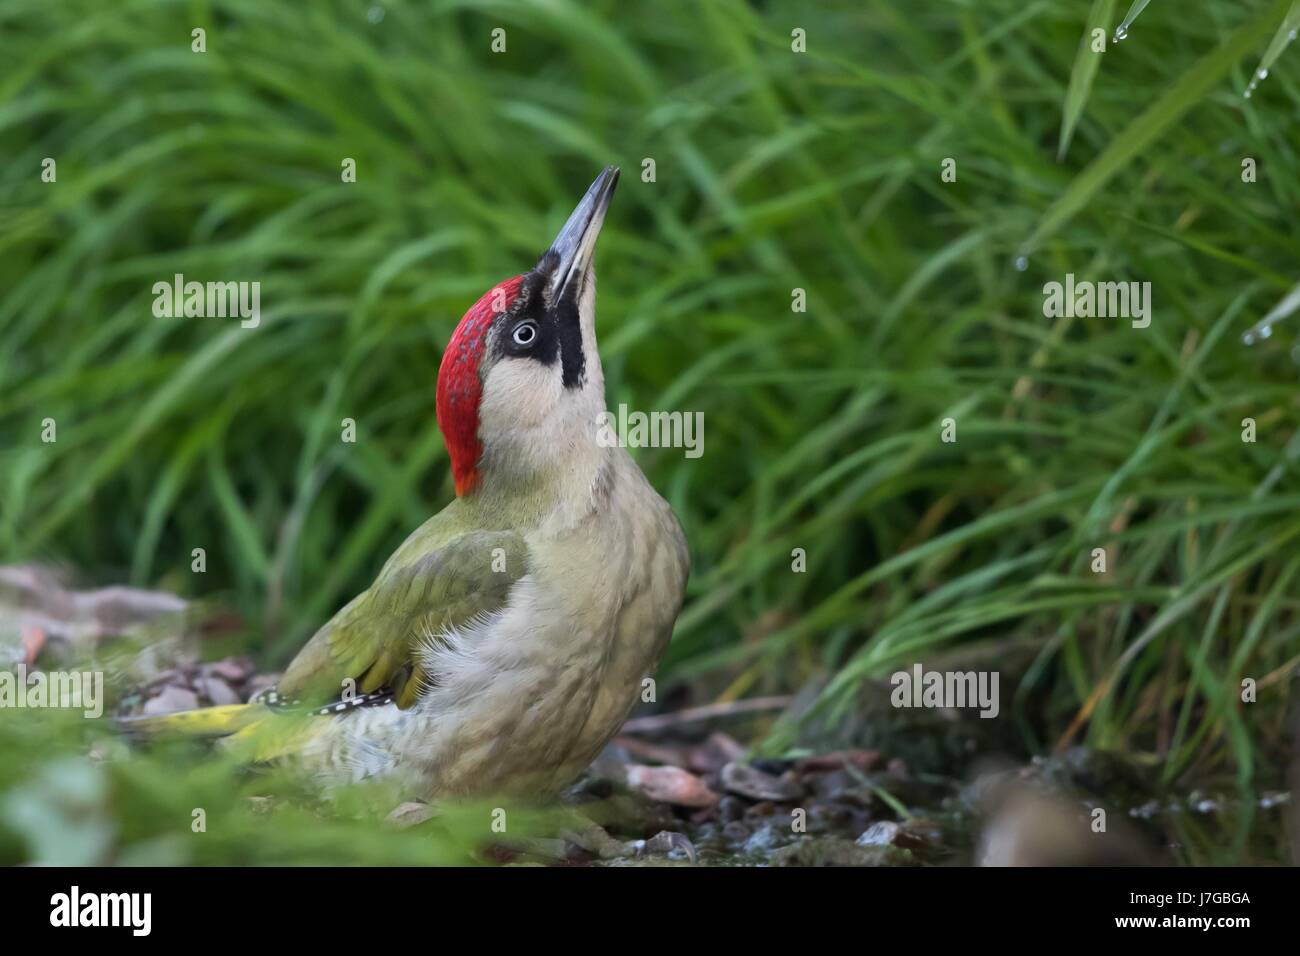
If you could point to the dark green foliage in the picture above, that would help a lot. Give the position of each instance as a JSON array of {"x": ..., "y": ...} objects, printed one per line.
[{"x": 775, "y": 171}]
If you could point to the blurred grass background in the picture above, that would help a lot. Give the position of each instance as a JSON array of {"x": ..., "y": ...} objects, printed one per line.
[{"x": 774, "y": 171}]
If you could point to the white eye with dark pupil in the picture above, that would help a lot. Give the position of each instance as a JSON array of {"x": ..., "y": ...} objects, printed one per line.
[{"x": 525, "y": 334}]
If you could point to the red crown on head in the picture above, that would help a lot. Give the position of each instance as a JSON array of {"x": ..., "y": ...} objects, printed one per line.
[{"x": 459, "y": 385}]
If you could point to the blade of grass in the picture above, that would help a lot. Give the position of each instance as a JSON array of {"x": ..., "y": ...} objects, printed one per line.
[
  {"x": 1086, "y": 63},
  {"x": 1189, "y": 90}
]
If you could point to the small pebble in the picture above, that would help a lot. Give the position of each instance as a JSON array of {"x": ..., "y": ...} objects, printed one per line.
[
  {"x": 216, "y": 690},
  {"x": 883, "y": 833},
  {"x": 171, "y": 700},
  {"x": 751, "y": 782}
]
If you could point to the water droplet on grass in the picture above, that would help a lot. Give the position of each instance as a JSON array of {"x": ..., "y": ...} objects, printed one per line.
[
  {"x": 1285, "y": 35},
  {"x": 1263, "y": 329},
  {"x": 1138, "y": 6}
]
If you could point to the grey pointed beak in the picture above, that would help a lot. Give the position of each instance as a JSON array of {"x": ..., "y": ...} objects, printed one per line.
[{"x": 568, "y": 260}]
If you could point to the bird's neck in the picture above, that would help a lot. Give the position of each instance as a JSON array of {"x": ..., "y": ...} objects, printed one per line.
[{"x": 553, "y": 480}]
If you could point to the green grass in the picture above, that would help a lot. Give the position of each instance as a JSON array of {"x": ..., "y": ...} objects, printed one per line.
[{"x": 775, "y": 170}]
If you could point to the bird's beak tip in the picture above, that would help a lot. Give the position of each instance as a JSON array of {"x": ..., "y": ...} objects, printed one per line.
[{"x": 570, "y": 256}]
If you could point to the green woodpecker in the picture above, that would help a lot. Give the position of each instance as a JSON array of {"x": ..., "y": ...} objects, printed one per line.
[{"x": 507, "y": 639}]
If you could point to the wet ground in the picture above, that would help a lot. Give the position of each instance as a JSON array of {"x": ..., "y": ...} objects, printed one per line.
[
  {"x": 935, "y": 790},
  {"x": 881, "y": 788},
  {"x": 862, "y": 808}
]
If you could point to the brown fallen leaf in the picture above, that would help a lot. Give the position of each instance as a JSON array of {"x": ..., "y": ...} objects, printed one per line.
[
  {"x": 751, "y": 782},
  {"x": 670, "y": 785}
]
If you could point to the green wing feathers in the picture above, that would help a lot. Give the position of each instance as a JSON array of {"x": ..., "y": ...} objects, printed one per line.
[
  {"x": 426, "y": 588},
  {"x": 441, "y": 577}
]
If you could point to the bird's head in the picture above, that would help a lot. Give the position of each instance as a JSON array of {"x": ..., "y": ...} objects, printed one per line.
[{"x": 520, "y": 386}]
